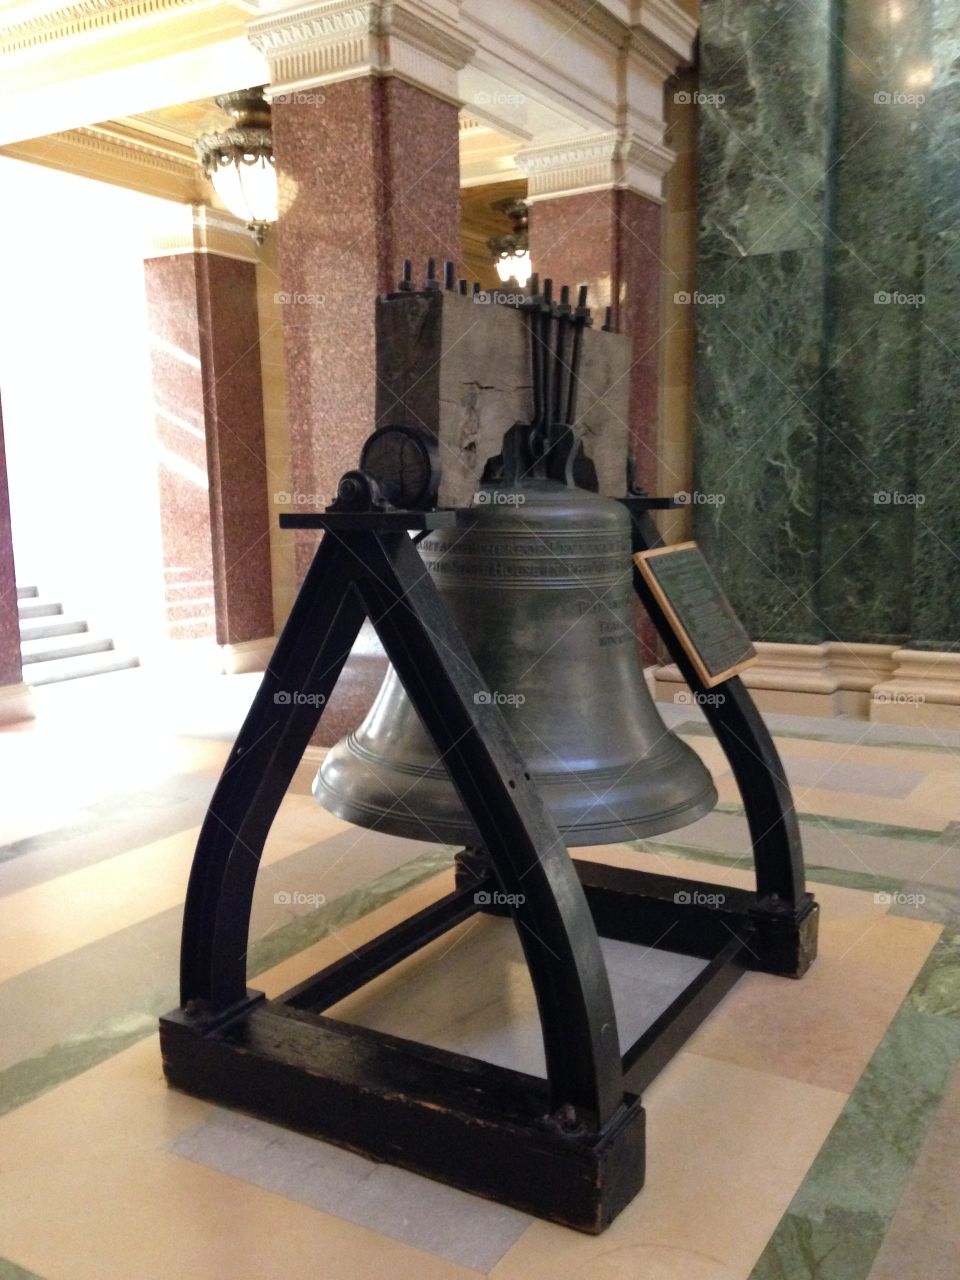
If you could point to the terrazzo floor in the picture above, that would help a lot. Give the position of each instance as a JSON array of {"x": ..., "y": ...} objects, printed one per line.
[{"x": 808, "y": 1131}]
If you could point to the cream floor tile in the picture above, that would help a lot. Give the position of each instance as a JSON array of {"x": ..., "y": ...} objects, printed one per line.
[
  {"x": 342, "y": 942},
  {"x": 899, "y": 757},
  {"x": 87, "y": 1192},
  {"x": 711, "y": 753},
  {"x": 726, "y": 1149},
  {"x": 929, "y": 815},
  {"x": 932, "y": 803},
  {"x": 57, "y": 916},
  {"x": 824, "y": 1028}
]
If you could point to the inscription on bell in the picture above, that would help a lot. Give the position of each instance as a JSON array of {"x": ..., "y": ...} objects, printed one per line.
[
  {"x": 531, "y": 544},
  {"x": 596, "y": 571}
]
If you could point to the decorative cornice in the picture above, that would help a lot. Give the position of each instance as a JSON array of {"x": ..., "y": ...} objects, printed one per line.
[
  {"x": 596, "y": 18},
  {"x": 668, "y": 24},
  {"x": 659, "y": 29},
  {"x": 340, "y": 39},
  {"x": 105, "y": 154},
  {"x": 86, "y": 17},
  {"x": 110, "y": 142},
  {"x": 595, "y": 162}
]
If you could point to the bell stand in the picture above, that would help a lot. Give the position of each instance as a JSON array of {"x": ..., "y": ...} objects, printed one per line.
[{"x": 568, "y": 1148}]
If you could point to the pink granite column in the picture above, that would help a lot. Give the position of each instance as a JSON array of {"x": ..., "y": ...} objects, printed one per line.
[
  {"x": 11, "y": 672},
  {"x": 208, "y": 397},
  {"x": 369, "y": 174},
  {"x": 611, "y": 240}
]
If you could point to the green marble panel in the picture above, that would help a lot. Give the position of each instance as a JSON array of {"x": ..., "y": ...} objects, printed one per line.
[
  {"x": 827, "y": 382},
  {"x": 936, "y": 569},
  {"x": 755, "y": 437},
  {"x": 868, "y": 491},
  {"x": 763, "y": 123}
]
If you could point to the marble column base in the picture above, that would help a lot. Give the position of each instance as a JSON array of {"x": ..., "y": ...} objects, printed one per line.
[
  {"x": 924, "y": 690},
  {"x": 16, "y": 704},
  {"x": 829, "y": 679}
]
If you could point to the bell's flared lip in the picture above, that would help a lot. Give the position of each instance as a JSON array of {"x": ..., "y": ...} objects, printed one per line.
[{"x": 576, "y": 835}]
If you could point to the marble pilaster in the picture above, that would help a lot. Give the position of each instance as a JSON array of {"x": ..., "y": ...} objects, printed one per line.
[
  {"x": 369, "y": 175},
  {"x": 827, "y": 344},
  {"x": 763, "y": 113},
  {"x": 870, "y": 411},
  {"x": 935, "y": 620},
  {"x": 209, "y": 412}
]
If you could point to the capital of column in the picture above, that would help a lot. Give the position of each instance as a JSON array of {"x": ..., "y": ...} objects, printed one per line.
[
  {"x": 611, "y": 160},
  {"x": 333, "y": 40}
]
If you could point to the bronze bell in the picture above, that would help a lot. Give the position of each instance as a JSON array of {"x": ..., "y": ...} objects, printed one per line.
[{"x": 540, "y": 587}]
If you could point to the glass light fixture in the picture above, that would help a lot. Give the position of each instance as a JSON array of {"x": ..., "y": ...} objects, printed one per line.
[
  {"x": 239, "y": 160},
  {"x": 513, "y": 249}
]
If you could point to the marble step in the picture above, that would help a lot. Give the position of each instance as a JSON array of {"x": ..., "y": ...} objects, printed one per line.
[
  {"x": 91, "y": 664},
  {"x": 54, "y": 647},
  {"x": 27, "y": 593},
  {"x": 54, "y": 625},
  {"x": 37, "y": 608}
]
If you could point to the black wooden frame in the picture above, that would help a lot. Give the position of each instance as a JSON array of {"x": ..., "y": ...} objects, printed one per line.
[{"x": 571, "y": 1147}]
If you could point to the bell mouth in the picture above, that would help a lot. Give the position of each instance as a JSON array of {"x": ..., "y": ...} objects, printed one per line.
[{"x": 371, "y": 792}]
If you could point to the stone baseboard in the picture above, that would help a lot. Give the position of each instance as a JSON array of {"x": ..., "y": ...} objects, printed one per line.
[
  {"x": 829, "y": 679},
  {"x": 16, "y": 704},
  {"x": 924, "y": 690}
]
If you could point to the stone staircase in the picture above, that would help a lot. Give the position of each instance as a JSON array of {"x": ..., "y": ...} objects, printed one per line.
[{"x": 54, "y": 646}]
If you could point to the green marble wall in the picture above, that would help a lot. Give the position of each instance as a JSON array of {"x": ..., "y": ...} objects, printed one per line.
[
  {"x": 936, "y": 544},
  {"x": 763, "y": 148},
  {"x": 829, "y": 183}
]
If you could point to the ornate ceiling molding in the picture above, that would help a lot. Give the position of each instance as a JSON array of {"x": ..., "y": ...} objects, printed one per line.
[
  {"x": 341, "y": 39},
  {"x": 658, "y": 29},
  {"x": 84, "y": 18},
  {"x": 105, "y": 153},
  {"x": 595, "y": 162}
]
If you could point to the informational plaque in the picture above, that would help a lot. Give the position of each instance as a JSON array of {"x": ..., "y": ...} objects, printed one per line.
[{"x": 697, "y": 610}]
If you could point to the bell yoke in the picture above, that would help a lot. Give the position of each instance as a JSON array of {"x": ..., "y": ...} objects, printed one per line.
[{"x": 515, "y": 720}]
